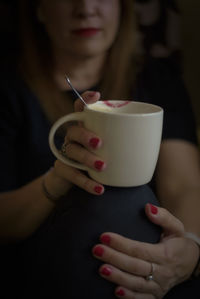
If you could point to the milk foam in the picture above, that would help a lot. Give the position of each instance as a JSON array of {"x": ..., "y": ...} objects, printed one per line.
[{"x": 102, "y": 108}]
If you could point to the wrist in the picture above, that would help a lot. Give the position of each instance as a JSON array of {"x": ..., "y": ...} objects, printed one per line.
[
  {"x": 54, "y": 187},
  {"x": 46, "y": 192},
  {"x": 193, "y": 237},
  {"x": 196, "y": 239}
]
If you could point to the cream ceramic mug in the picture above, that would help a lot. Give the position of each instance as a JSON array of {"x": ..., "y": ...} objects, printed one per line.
[{"x": 131, "y": 134}]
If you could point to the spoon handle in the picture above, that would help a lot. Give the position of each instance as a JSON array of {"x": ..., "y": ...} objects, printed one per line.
[{"x": 76, "y": 92}]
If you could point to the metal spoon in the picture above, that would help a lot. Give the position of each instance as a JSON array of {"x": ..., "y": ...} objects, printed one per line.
[{"x": 76, "y": 92}]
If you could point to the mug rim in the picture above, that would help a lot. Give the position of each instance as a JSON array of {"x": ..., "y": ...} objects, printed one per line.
[{"x": 159, "y": 109}]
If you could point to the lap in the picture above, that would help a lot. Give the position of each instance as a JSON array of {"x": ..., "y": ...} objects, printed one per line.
[{"x": 57, "y": 262}]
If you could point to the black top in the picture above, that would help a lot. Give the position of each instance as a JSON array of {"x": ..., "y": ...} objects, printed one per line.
[
  {"x": 24, "y": 129},
  {"x": 51, "y": 262}
]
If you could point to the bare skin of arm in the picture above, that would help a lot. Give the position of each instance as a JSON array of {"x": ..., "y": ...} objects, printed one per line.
[{"x": 178, "y": 182}]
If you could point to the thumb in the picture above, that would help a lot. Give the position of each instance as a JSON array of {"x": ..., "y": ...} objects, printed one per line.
[{"x": 169, "y": 223}]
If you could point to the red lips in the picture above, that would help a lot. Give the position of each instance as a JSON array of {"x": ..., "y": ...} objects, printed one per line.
[{"x": 86, "y": 32}]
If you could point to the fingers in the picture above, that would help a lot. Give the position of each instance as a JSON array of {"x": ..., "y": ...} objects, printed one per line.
[
  {"x": 84, "y": 137},
  {"x": 146, "y": 251},
  {"x": 170, "y": 260},
  {"x": 79, "y": 144},
  {"x": 89, "y": 97},
  {"x": 169, "y": 223},
  {"x": 122, "y": 292},
  {"x": 128, "y": 272},
  {"x": 121, "y": 260},
  {"x": 133, "y": 283},
  {"x": 81, "y": 155},
  {"x": 78, "y": 178}
]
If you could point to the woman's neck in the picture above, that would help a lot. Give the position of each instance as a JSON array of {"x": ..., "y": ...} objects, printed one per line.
[{"x": 84, "y": 72}]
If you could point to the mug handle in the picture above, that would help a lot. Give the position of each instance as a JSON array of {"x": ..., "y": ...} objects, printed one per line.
[{"x": 76, "y": 116}]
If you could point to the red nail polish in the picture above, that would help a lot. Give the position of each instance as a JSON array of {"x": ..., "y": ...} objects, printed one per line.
[
  {"x": 120, "y": 292},
  {"x": 98, "y": 189},
  {"x": 105, "y": 239},
  {"x": 98, "y": 251},
  {"x": 106, "y": 271},
  {"x": 154, "y": 209},
  {"x": 98, "y": 164},
  {"x": 94, "y": 142}
]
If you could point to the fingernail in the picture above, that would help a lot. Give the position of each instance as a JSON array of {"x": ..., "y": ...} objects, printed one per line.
[
  {"x": 106, "y": 271},
  {"x": 154, "y": 209},
  {"x": 99, "y": 165},
  {"x": 120, "y": 292},
  {"x": 98, "y": 251},
  {"x": 91, "y": 93},
  {"x": 94, "y": 142},
  {"x": 98, "y": 189},
  {"x": 105, "y": 239}
]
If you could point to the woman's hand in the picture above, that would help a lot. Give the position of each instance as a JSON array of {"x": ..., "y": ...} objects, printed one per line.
[
  {"x": 129, "y": 262},
  {"x": 79, "y": 144}
]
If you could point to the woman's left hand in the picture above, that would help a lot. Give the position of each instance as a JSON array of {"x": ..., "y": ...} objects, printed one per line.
[{"x": 129, "y": 263}]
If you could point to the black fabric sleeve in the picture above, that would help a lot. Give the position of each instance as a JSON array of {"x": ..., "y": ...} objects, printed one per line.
[{"x": 10, "y": 122}]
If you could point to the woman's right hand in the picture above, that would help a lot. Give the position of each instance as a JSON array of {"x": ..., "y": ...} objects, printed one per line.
[
  {"x": 128, "y": 263},
  {"x": 79, "y": 144}
]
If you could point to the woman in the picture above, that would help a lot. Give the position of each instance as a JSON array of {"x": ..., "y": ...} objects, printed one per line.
[{"x": 85, "y": 39}]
